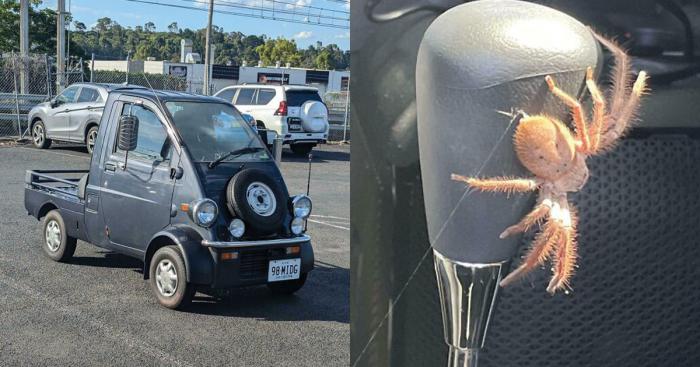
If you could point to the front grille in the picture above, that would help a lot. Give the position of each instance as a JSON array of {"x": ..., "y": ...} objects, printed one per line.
[{"x": 254, "y": 264}]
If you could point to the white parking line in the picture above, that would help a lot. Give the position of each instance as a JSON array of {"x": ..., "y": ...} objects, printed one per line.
[
  {"x": 105, "y": 329},
  {"x": 328, "y": 224},
  {"x": 329, "y": 217}
]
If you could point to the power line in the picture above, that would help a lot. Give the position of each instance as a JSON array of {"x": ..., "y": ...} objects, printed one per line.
[{"x": 261, "y": 12}]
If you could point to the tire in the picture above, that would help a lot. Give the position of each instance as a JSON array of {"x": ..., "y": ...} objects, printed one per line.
[
  {"x": 90, "y": 139},
  {"x": 302, "y": 149},
  {"x": 39, "y": 135},
  {"x": 314, "y": 117},
  {"x": 259, "y": 200},
  {"x": 287, "y": 286},
  {"x": 171, "y": 293},
  {"x": 57, "y": 244}
]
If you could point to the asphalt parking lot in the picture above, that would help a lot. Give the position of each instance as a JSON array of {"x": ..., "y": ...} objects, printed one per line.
[{"x": 98, "y": 310}]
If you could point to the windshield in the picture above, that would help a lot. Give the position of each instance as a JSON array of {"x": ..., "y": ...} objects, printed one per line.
[{"x": 211, "y": 130}]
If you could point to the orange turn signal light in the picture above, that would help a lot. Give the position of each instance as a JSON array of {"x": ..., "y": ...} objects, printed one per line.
[
  {"x": 293, "y": 250},
  {"x": 229, "y": 255},
  {"x": 185, "y": 207}
]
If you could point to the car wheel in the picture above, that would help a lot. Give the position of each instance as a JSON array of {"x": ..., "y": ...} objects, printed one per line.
[
  {"x": 302, "y": 149},
  {"x": 287, "y": 286},
  {"x": 39, "y": 135},
  {"x": 91, "y": 138},
  {"x": 258, "y": 199},
  {"x": 57, "y": 244},
  {"x": 168, "y": 278}
]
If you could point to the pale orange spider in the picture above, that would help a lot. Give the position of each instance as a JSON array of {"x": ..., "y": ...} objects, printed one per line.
[{"x": 547, "y": 148}]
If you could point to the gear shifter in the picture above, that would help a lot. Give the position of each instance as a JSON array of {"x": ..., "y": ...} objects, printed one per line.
[{"x": 477, "y": 63}]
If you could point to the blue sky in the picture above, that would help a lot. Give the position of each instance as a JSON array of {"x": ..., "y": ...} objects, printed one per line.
[{"x": 132, "y": 14}]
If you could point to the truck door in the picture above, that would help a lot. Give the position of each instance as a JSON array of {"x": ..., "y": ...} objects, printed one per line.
[{"x": 136, "y": 193}]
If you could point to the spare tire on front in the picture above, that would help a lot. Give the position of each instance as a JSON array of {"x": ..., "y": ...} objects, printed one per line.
[{"x": 257, "y": 199}]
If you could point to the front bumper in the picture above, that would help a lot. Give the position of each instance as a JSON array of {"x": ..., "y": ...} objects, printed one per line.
[{"x": 252, "y": 258}]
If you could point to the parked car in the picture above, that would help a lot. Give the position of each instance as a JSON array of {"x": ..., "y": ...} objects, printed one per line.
[
  {"x": 294, "y": 112},
  {"x": 73, "y": 115},
  {"x": 183, "y": 183}
]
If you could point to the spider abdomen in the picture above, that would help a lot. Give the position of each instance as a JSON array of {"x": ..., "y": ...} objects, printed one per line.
[{"x": 544, "y": 146}]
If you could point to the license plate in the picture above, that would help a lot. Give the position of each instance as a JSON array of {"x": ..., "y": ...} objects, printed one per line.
[{"x": 280, "y": 270}]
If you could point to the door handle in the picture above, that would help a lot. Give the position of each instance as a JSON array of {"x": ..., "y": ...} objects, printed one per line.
[{"x": 110, "y": 167}]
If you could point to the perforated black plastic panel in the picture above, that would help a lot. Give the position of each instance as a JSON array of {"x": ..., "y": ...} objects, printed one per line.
[{"x": 636, "y": 298}]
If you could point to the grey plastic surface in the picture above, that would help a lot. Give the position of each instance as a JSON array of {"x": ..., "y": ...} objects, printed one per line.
[{"x": 477, "y": 59}]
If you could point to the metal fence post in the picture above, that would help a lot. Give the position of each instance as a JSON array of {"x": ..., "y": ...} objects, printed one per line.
[
  {"x": 48, "y": 76},
  {"x": 345, "y": 124},
  {"x": 92, "y": 66},
  {"x": 14, "y": 81},
  {"x": 128, "y": 66}
]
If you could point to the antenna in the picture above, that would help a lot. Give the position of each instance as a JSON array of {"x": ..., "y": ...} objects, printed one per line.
[{"x": 308, "y": 179}]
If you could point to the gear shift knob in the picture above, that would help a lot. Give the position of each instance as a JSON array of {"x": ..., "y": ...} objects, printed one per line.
[{"x": 477, "y": 61}]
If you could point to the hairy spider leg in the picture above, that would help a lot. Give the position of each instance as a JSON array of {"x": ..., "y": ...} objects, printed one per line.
[
  {"x": 539, "y": 213},
  {"x": 566, "y": 253},
  {"x": 598, "y": 112},
  {"x": 543, "y": 245},
  {"x": 628, "y": 112},
  {"x": 498, "y": 184},
  {"x": 576, "y": 111}
]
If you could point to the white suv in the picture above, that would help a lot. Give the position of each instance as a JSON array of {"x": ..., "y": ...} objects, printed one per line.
[{"x": 295, "y": 112}]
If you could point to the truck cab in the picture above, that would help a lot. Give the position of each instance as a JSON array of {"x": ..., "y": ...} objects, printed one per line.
[{"x": 183, "y": 183}]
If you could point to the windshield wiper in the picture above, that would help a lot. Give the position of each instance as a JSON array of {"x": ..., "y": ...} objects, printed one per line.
[{"x": 235, "y": 153}]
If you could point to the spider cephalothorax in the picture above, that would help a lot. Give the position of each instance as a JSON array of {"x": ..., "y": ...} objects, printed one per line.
[{"x": 557, "y": 158}]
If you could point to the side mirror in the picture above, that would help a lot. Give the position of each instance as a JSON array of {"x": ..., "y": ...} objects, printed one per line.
[
  {"x": 53, "y": 102},
  {"x": 128, "y": 133}
]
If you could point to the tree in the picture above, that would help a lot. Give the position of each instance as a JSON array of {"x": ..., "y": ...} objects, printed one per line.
[
  {"x": 280, "y": 49},
  {"x": 172, "y": 28},
  {"x": 149, "y": 27}
]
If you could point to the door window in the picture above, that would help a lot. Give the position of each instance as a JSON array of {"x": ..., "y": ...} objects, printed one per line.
[
  {"x": 152, "y": 142},
  {"x": 245, "y": 96},
  {"x": 88, "y": 95},
  {"x": 265, "y": 95},
  {"x": 227, "y": 94},
  {"x": 68, "y": 95}
]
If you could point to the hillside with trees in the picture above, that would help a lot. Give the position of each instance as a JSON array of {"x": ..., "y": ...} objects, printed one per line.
[{"x": 107, "y": 39}]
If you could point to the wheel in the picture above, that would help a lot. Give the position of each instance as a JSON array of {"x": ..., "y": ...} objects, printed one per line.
[
  {"x": 90, "y": 139},
  {"x": 259, "y": 200},
  {"x": 57, "y": 244},
  {"x": 287, "y": 286},
  {"x": 302, "y": 149},
  {"x": 39, "y": 135},
  {"x": 168, "y": 278}
]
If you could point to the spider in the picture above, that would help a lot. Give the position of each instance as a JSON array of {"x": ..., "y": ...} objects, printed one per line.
[{"x": 557, "y": 158}]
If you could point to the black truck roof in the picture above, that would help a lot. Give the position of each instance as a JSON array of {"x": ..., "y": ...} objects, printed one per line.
[{"x": 163, "y": 95}]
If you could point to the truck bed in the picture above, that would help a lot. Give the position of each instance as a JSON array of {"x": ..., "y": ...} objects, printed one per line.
[{"x": 45, "y": 190}]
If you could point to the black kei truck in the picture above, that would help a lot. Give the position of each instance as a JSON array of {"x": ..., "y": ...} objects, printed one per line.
[{"x": 183, "y": 183}]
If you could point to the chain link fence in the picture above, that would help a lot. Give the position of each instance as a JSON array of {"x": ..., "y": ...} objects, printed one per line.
[
  {"x": 338, "y": 104},
  {"x": 155, "y": 81},
  {"x": 24, "y": 82}
]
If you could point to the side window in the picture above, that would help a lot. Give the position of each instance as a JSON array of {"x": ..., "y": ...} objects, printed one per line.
[
  {"x": 88, "y": 95},
  {"x": 245, "y": 96},
  {"x": 265, "y": 95},
  {"x": 227, "y": 94},
  {"x": 68, "y": 95},
  {"x": 152, "y": 142}
]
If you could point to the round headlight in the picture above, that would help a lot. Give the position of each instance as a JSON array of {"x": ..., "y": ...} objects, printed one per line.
[
  {"x": 204, "y": 212},
  {"x": 236, "y": 228},
  {"x": 297, "y": 225},
  {"x": 301, "y": 206}
]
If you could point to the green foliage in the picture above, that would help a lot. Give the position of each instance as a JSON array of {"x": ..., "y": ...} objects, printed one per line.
[{"x": 108, "y": 39}]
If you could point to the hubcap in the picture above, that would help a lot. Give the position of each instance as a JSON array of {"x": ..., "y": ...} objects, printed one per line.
[
  {"x": 261, "y": 199},
  {"x": 53, "y": 236},
  {"x": 91, "y": 140},
  {"x": 38, "y": 134},
  {"x": 166, "y": 278}
]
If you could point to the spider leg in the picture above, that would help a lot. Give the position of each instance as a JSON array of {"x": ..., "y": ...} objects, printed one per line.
[
  {"x": 541, "y": 248},
  {"x": 498, "y": 184},
  {"x": 619, "y": 75},
  {"x": 598, "y": 113},
  {"x": 576, "y": 111},
  {"x": 532, "y": 218},
  {"x": 565, "y": 256},
  {"x": 622, "y": 121}
]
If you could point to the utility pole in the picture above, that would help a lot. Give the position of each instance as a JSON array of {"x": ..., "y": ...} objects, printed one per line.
[
  {"x": 23, "y": 44},
  {"x": 60, "y": 44},
  {"x": 207, "y": 51}
]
